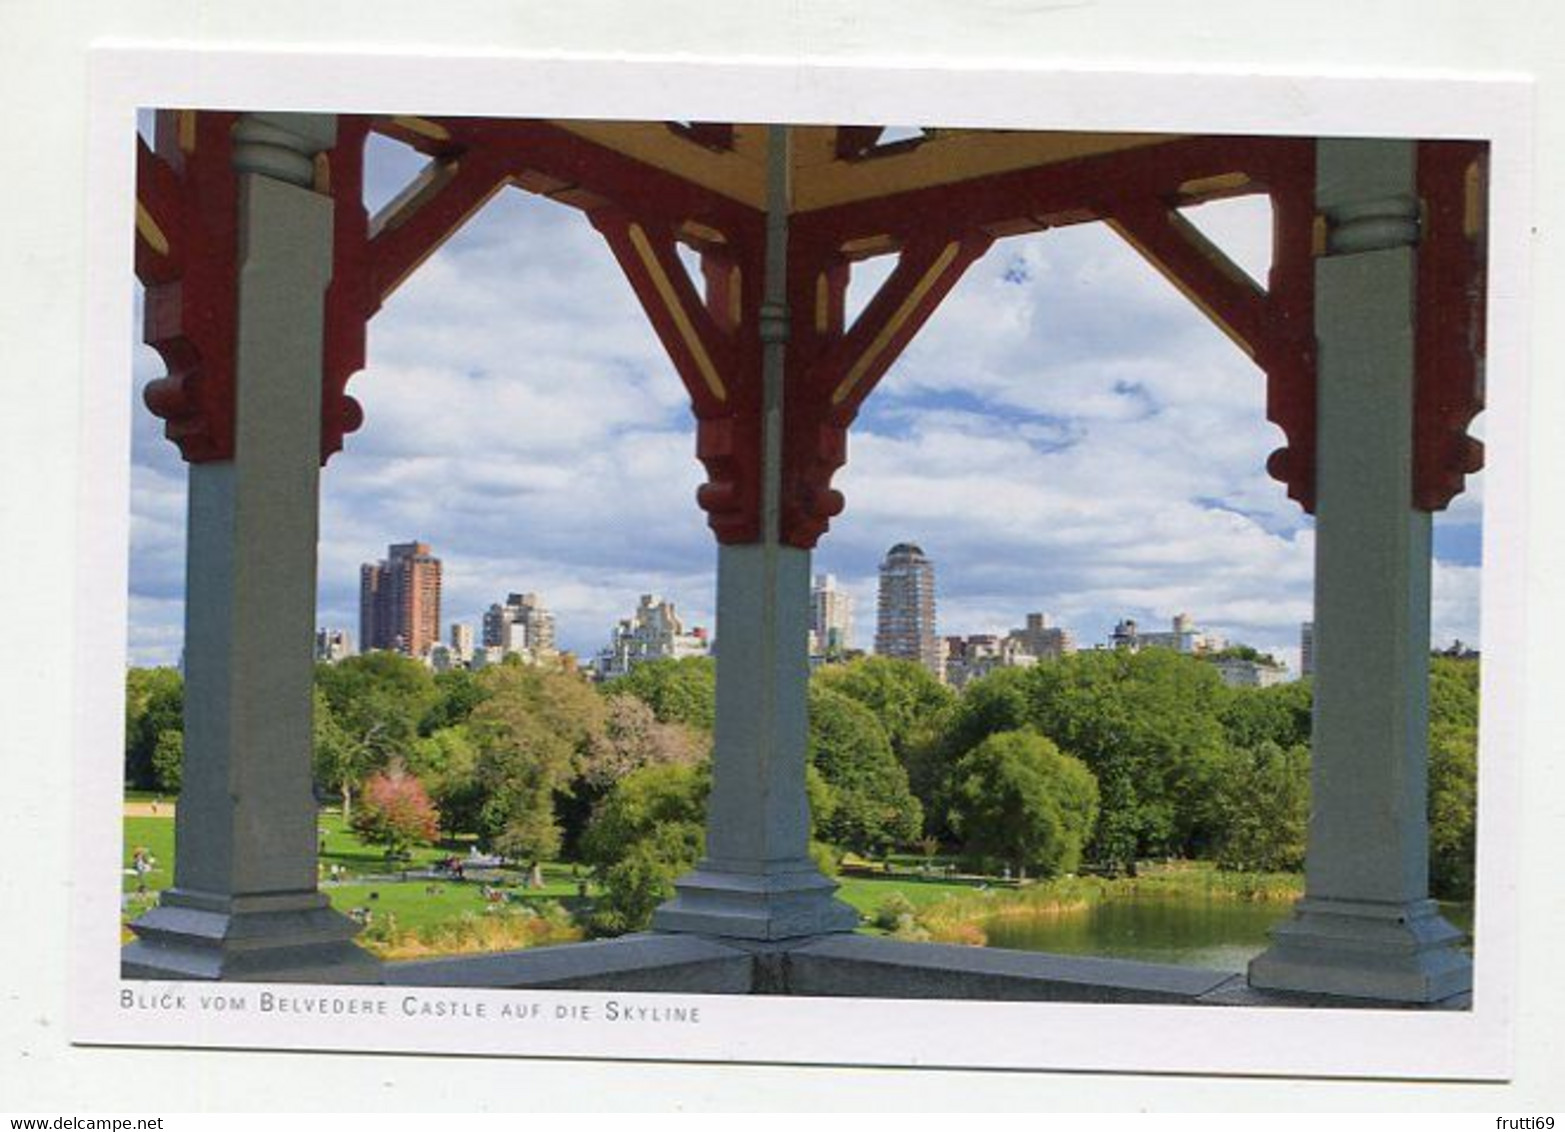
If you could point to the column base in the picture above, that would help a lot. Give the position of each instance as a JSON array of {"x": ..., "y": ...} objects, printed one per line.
[
  {"x": 1358, "y": 949},
  {"x": 786, "y": 901},
  {"x": 285, "y": 938}
]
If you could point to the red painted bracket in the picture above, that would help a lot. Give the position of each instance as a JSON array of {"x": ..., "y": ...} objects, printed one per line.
[
  {"x": 187, "y": 256},
  {"x": 717, "y": 361},
  {"x": 1273, "y": 326},
  {"x": 831, "y": 370},
  {"x": 1449, "y": 345}
]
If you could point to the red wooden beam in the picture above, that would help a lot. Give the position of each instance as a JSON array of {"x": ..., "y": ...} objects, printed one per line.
[
  {"x": 415, "y": 227},
  {"x": 159, "y": 221},
  {"x": 1196, "y": 267}
]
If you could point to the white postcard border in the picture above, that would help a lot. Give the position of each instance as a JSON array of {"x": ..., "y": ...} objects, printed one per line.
[{"x": 1468, "y": 1045}]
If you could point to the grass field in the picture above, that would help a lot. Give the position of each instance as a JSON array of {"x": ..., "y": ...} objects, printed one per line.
[{"x": 419, "y": 916}]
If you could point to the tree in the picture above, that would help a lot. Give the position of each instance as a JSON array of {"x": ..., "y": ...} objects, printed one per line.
[
  {"x": 395, "y": 812},
  {"x": 1453, "y": 809},
  {"x": 1000, "y": 701},
  {"x": 633, "y": 737},
  {"x": 447, "y": 762},
  {"x": 677, "y": 691},
  {"x": 532, "y": 733},
  {"x": 154, "y": 704},
  {"x": 376, "y": 700},
  {"x": 457, "y": 693},
  {"x": 871, "y": 806},
  {"x": 1016, "y": 799},
  {"x": 168, "y": 759},
  {"x": 1453, "y": 776},
  {"x": 645, "y": 832},
  {"x": 339, "y": 762},
  {"x": 1280, "y": 714},
  {"x": 1147, "y": 726},
  {"x": 1263, "y": 808},
  {"x": 904, "y": 695}
]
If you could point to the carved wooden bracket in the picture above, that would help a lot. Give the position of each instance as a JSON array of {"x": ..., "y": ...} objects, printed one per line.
[
  {"x": 1274, "y": 325},
  {"x": 832, "y": 368},
  {"x": 713, "y": 341},
  {"x": 187, "y": 255},
  {"x": 1450, "y": 338}
]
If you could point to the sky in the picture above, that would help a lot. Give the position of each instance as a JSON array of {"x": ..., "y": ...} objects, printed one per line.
[{"x": 1066, "y": 435}]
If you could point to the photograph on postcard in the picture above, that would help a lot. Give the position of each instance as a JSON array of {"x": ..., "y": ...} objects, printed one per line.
[{"x": 665, "y": 576}]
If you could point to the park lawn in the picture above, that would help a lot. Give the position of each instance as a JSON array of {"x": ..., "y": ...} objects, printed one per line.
[
  {"x": 868, "y": 893},
  {"x": 156, "y": 836},
  {"x": 415, "y": 904}
]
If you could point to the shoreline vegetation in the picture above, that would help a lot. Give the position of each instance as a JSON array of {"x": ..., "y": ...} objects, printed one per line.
[
  {"x": 962, "y": 919},
  {"x": 1132, "y": 797},
  {"x": 419, "y": 918}
]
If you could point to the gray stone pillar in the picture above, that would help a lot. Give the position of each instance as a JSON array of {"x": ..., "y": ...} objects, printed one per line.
[
  {"x": 244, "y": 903},
  {"x": 1366, "y": 926},
  {"x": 757, "y": 880}
]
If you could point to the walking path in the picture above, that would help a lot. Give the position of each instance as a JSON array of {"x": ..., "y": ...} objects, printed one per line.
[{"x": 149, "y": 809}]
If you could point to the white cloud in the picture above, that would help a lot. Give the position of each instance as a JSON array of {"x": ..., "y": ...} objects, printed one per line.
[{"x": 1067, "y": 434}]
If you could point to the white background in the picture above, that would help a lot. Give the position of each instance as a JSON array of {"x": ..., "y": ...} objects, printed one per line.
[{"x": 41, "y": 309}]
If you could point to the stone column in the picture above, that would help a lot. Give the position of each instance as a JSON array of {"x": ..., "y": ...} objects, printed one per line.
[
  {"x": 757, "y": 880},
  {"x": 1366, "y": 926},
  {"x": 244, "y": 904}
]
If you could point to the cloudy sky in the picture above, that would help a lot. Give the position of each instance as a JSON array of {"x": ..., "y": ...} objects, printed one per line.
[{"x": 1066, "y": 435}]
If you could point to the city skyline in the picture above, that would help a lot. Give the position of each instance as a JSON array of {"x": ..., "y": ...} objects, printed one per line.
[{"x": 1049, "y": 449}]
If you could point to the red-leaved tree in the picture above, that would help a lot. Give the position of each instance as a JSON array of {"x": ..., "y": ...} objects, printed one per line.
[{"x": 395, "y": 811}]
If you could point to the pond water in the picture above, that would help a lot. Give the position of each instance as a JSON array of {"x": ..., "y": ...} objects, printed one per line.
[{"x": 1222, "y": 935}]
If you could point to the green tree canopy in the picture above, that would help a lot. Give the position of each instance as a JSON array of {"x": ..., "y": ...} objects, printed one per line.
[
  {"x": 906, "y": 699},
  {"x": 871, "y": 805},
  {"x": 457, "y": 693},
  {"x": 447, "y": 762},
  {"x": 1453, "y": 776},
  {"x": 1146, "y": 724},
  {"x": 1016, "y": 800},
  {"x": 677, "y": 691},
  {"x": 154, "y": 704},
  {"x": 645, "y": 832},
  {"x": 1263, "y": 809},
  {"x": 532, "y": 731},
  {"x": 1279, "y": 714},
  {"x": 168, "y": 759},
  {"x": 377, "y": 700}
]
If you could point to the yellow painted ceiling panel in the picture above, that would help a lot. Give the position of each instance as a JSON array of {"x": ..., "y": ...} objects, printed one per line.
[{"x": 821, "y": 179}]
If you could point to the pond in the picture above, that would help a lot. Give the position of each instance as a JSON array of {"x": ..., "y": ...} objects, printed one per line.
[{"x": 1218, "y": 934}]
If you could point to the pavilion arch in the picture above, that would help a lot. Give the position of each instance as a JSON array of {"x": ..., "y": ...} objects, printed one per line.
[{"x": 263, "y": 269}]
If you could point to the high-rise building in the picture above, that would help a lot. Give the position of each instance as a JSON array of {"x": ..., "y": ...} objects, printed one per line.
[
  {"x": 399, "y": 600},
  {"x": 653, "y": 632},
  {"x": 905, "y": 621},
  {"x": 1307, "y": 649},
  {"x": 332, "y": 645},
  {"x": 462, "y": 641},
  {"x": 970, "y": 658},
  {"x": 1042, "y": 639},
  {"x": 521, "y": 624},
  {"x": 1184, "y": 637},
  {"x": 831, "y": 618}
]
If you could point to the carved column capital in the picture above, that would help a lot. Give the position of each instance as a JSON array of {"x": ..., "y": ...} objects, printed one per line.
[{"x": 282, "y": 146}]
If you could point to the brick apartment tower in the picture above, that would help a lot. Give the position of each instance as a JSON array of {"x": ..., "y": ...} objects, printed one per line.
[
  {"x": 399, "y": 600},
  {"x": 905, "y": 625}
]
